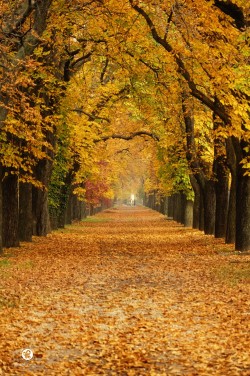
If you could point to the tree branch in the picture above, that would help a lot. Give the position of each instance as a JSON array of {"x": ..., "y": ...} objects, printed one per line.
[
  {"x": 235, "y": 12},
  {"x": 90, "y": 116},
  {"x": 129, "y": 137},
  {"x": 168, "y": 23},
  {"x": 22, "y": 14},
  {"x": 203, "y": 98}
]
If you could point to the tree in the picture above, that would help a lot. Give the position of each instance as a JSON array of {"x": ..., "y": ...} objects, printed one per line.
[
  {"x": 210, "y": 31},
  {"x": 23, "y": 23}
]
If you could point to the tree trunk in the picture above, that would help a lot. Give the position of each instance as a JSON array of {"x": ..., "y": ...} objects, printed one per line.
[
  {"x": 202, "y": 212},
  {"x": 220, "y": 170},
  {"x": 10, "y": 210},
  {"x": 197, "y": 202},
  {"x": 76, "y": 208},
  {"x": 231, "y": 216},
  {"x": 242, "y": 235},
  {"x": 166, "y": 205},
  {"x": 68, "y": 217},
  {"x": 179, "y": 207},
  {"x": 221, "y": 190},
  {"x": 176, "y": 207},
  {"x": 162, "y": 204},
  {"x": 171, "y": 207},
  {"x": 242, "y": 240},
  {"x": 151, "y": 200},
  {"x": 41, "y": 222},
  {"x": 188, "y": 220},
  {"x": 25, "y": 212},
  {"x": 1, "y": 209},
  {"x": 209, "y": 207},
  {"x": 183, "y": 202}
]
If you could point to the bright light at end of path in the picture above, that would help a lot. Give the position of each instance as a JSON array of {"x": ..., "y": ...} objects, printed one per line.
[{"x": 132, "y": 197}]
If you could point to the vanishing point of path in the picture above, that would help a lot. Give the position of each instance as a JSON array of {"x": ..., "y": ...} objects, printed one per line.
[{"x": 126, "y": 292}]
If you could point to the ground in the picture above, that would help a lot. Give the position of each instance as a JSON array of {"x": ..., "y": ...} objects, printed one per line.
[{"x": 126, "y": 292}]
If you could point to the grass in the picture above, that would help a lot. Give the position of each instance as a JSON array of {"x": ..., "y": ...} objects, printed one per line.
[
  {"x": 29, "y": 264},
  {"x": 94, "y": 219},
  {"x": 5, "y": 263},
  {"x": 235, "y": 272},
  {"x": 75, "y": 227}
]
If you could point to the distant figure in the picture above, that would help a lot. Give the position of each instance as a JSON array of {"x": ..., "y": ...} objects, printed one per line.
[{"x": 132, "y": 200}]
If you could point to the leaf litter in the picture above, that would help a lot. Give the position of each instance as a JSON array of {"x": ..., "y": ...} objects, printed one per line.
[{"x": 128, "y": 293}]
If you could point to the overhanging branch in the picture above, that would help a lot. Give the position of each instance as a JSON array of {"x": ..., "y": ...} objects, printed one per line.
[
  {"x": 129, "y": 137},
  {"x": 181, "y": 68}
]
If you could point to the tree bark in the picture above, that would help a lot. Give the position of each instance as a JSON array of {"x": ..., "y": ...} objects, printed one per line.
[
  {"x": 197, "y": 203},
  {"x": 209, "y": 207},
  {"x": 25, "y": 212},
  {"x": 10, "y": 210},
  {"x": 179, "y": 207},
  {"x": 188, "y": 219},
  {"x": 171, "y": 207},
  {"x": 221, "y": 191},
  {"x": 68, "y": 216},
  {"x": 202, "y": 211},
  {"x": 176, "y": 207},
  {"x": 242, "y": 239},
  {"x": 41, "y": 222},
  {"x": 1, "y": 209},
  {"x": 231, "y": 217},
  {"x": 77, "y": 209},
  {"x": 162, "y": 204},
  {"x": 242, "y": 236}
]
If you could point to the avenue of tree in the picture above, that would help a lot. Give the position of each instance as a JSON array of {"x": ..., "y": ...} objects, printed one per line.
[{"x": 101, "y": 98}]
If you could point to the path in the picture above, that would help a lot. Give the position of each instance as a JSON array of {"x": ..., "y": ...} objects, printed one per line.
[{"x": 125, "y": 293}]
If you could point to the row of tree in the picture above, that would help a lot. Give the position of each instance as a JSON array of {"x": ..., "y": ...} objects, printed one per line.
[{"x": 80, "y": 79}]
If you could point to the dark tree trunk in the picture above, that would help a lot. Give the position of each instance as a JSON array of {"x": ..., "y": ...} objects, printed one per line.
[
  {"x": 231, "y": 216},
  {"x": 151, "y": 200},
  {"x": 197, "y": 202},
  {"x": 242, "y": 240},
  {"x": 83, "y": 210},
  {"x": 61, "y": 219},
  {"x": 68, "y": 217},
  {"x": 179, "y": 207},
  {"x": 41, "y": 223},
  {"x": 162, "y": 204},
  {"x": 10, "y": 210},
  {"x": 1, "y": 209},
  {"x": 58, "y": 215},
  {"x": 183, "y": 202},
  {"x": 202, "y": 212},
  {"x": 176, "y": 207},
  {"x": 220, "y": 170},
  {"x": 166, "y": 205},
  {"x": 25, "y": 212},
  {"x": 242, "y": 235},
  {"x": 221, "y": 190},
  {"x": 76, "y": 209},
  {"x": 171, "y": 206},
  {"x": 209, "y": 207},
  {"x": 188, "y": 219}
]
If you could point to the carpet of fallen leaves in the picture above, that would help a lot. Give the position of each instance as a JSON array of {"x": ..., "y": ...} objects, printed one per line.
[{"x": 126, "y": 292}]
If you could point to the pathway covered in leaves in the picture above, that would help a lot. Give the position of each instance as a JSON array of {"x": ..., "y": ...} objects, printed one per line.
[{"x": 126, "y": 292}]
